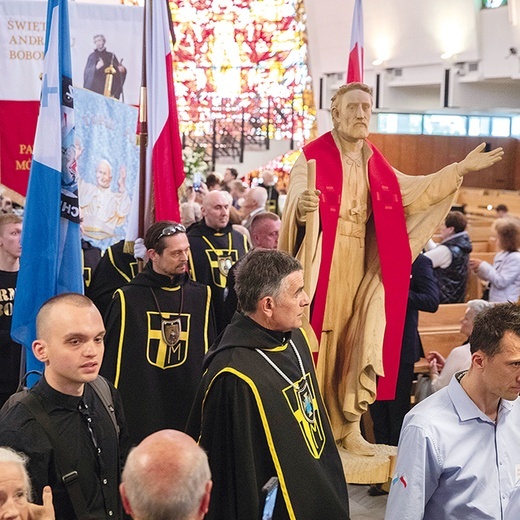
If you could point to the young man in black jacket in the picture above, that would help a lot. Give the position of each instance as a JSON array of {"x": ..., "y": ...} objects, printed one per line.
[{"x": 70, "y": 334}]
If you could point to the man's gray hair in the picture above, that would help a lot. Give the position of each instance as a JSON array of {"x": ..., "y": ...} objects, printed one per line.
[
  {"x": 261, "y": 273},
  {"x": 8, "y": 455},
  {"x": 162, "y": 495}
]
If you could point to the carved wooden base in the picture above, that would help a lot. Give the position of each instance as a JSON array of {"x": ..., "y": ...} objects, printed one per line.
[{"x": 369, "y": 470}]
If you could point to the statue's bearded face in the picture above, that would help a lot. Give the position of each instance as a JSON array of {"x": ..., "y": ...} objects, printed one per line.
[{"x": 351, "y": 114}]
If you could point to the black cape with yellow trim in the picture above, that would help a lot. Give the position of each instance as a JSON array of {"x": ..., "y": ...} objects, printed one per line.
[
  {"x": 210, "y": 259},
  {"x": 253, "y": 426},
  {"x": 155, "y": 360},
  {"x": 115, "y": 269}
]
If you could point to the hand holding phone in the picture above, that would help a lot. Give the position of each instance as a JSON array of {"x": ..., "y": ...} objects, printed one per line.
[
  {"x": 271, "y": 490},
  {"x": 197, "y": 179}
]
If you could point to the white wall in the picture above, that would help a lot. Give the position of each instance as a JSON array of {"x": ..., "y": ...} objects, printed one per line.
[{"x": 410, "y": 36}]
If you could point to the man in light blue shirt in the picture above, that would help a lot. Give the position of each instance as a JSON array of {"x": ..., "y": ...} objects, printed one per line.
[{"x": 458, "y": 453}]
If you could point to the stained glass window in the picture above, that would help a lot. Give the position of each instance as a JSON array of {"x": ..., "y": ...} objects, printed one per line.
[{"x": 243, "y": 60}]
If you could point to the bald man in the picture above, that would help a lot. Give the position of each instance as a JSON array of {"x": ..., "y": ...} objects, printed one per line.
[
  {"x": 214, "y": 247},
  {"x": 69, "y": 342},
  {"x": 264, "y": 233},
  {"x": 166, "y": 476}
]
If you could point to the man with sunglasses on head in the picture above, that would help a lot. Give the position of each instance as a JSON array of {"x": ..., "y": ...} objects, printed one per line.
[
  {"x": 159, "y": 326},
  {"x": 215, "y": 247}
]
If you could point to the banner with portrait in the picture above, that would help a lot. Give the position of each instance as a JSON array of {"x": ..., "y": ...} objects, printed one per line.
[
  {"x": 102, "y": 36},
  {"x": 107, "y": 164}
]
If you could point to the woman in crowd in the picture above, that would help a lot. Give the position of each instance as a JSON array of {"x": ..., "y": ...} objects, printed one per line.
[
  {"x": 503, "y": 276},
  {"x": 15, "y": 490},
  {"x": 442, "y": 370}
]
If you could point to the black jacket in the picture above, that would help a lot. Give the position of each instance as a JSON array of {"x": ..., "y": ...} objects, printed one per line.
[
  {"x": 453, "y": 279},
  {"x": 254, "y": 426},
  {"x": 20, "y": 431},
  {"x": 212, "y": 254}
]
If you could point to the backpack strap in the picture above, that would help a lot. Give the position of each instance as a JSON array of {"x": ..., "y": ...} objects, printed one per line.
[
  {"x": 23, "y": 382},
  {"x": 69, "y": 476},
  {"x": 102, "y": 388}
]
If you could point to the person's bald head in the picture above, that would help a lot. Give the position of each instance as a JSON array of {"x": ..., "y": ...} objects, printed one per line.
[
  {"x": 215, "y": 209},
  {"x": 69, "y": 341},
  {"x": 49, "y": 314},
  {"x": 265, "y": 229},
  {"x": 166, "y": 477}
]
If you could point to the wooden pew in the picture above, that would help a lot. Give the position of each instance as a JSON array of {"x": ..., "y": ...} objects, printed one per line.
[
  {"x": 479, "y": 233},
  {"x": 481, "y": 247},
  {"x": 480, "y": 221},
  {"x": 474, "y": 287},
  {"x": 476, "y": 201}
]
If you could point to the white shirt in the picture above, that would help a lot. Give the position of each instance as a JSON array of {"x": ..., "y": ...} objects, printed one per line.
[
  {"x": 458, "y": 359},
  {"x": 513, "y": 508},
  {"x": 453, "y": 461},
  {"x": 440, "y": 254}
]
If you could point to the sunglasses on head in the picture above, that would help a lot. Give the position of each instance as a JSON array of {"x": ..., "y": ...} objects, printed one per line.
[{"x": 169, "y": 231}]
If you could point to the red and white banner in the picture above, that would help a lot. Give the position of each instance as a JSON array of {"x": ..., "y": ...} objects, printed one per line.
[
  {"x": 164, "y": 165},
  {"x": 22, "y": 35},
  {"x": 356, "y": 57},
  {"x": 163, "y": 121}
]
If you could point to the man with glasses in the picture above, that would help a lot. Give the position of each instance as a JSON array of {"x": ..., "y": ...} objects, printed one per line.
[
  {"x": 159, "y": 326},
  {"x": 215, "y": 247}
]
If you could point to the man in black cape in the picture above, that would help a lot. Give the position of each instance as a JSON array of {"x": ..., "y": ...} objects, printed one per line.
[
  {"x": 159, "y": 327},
  {"x": 258, "y": 411}
]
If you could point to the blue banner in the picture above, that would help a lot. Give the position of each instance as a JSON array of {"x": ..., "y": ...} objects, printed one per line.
[
  {"x": 108, "y": 165},
  {"x": 51, "y": 261}
]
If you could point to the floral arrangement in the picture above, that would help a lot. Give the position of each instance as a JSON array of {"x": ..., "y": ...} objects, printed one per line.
[{"x": 194, "y": 162}]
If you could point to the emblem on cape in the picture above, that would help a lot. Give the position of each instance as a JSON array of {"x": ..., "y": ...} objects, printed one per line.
[
  {"x": 171, "y": 331},
  {"x": 304, "y": 406},
  {"x": 224, "y": 264},
  {"x": 168, "y": 339},
  {"x": 305, "y": 402}
]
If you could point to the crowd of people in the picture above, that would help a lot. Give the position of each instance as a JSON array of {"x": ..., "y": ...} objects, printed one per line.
[{"x": 220, "y": 370}]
